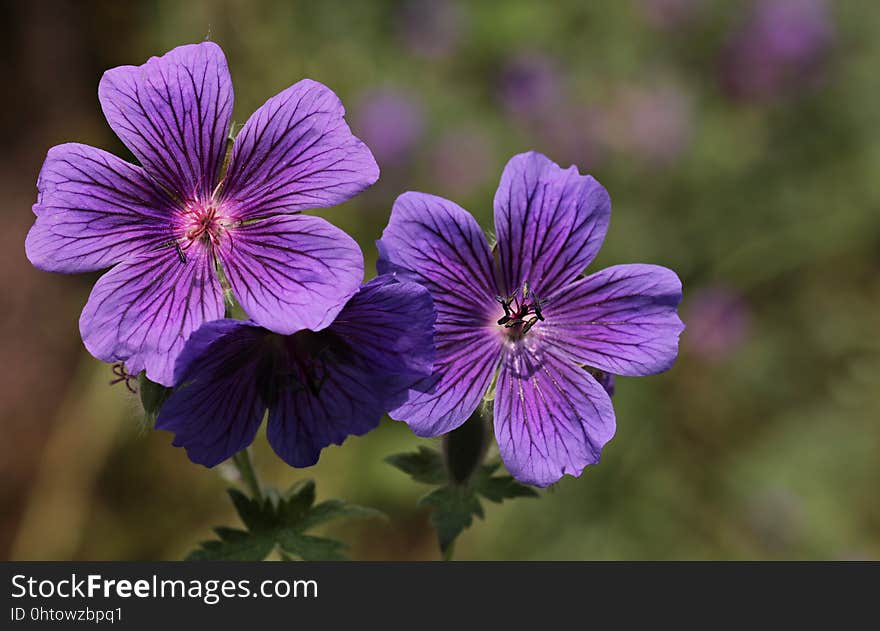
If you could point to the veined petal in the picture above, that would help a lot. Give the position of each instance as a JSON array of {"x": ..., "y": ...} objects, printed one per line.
[
  {"x": 173, "y": 113},
  {"x": 621, "y": 320},
  {"x": 94, "y": 210},
  {"x": 143, "y": 310},
  {"x": 466, "y": 361},
  {"x": 438, "y": 244},
  {"x": 551, "y": 417},
  {"x": 391, "y": 325},
  {"x": 347, "y": 401},
  {"x": 550, "y": 223},
  {"x": 296, "y": 152},
  {"x": 292, "y": 272},
  {"x": 218, "y": 406}
]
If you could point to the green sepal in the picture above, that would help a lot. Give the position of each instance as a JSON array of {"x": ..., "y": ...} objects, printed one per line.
[{"x": 153, "y": 397}]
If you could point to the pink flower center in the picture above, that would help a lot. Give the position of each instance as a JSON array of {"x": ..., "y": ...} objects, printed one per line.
[{"x": 203, "y": 222}]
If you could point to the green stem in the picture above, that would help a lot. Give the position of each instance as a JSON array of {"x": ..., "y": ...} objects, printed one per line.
[{"x": 245, "y": 467}]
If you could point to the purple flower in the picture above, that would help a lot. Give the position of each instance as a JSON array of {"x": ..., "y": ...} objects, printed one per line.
[
  {"x": 461, "y": 158},
  {"x": 168, "y": 225},
  {"x": 432, "y": 28},
  {"x": 319, "y": 387},
  {"x": 392, "y": 123},
  {"x": 524, "y": 311},
  {"x": 668, "y": 14},
  {"x": 530, "y": 85},
  {"x": 719, "y": 321},
  {"x": 781, "y": 46}
]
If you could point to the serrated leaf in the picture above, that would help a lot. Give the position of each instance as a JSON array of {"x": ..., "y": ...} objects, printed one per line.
[
  {"x": 280, "y": 520},
  {"x": 453, "y": 510},
  {"x": 243, "y": 546},
  {"x": 311, "y": 548},
  {"x": 425, "y": 465},
  {"x": 297, "y": 502},
  {"x": 499, "y": 488},
  {"x": 335, "y": 509},
  {"x": 257, "y": 516}
]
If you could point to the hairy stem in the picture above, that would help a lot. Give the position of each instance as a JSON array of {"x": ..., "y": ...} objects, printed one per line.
[{"x": 245, "y": 467}]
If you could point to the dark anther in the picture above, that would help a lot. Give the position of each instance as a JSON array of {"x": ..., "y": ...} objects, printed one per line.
[
  {"x": 122, "y": 376},
  {"x": 518, "y": 308}
]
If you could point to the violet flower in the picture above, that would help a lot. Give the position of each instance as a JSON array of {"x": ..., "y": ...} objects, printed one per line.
[
  {"x": 392, "y": 122},
  {"x": 720, "y": 322},
  {"x": 524, "y": 312},
  {"x": 782, "y": 46},
  {"x": 168, "y": 225},
  {"x": 319, "y": 387}
]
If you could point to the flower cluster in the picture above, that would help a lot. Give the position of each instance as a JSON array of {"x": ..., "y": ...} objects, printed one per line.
[{"x": 450, "y": 321}]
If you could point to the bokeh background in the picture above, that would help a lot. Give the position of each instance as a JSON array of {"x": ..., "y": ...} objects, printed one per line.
[{"x": 740, "y": 142}]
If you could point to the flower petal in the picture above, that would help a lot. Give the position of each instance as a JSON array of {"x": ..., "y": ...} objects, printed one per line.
[
  {"x": 438, "y": 244},
  {"x": 466, "y": 361},
  {"x": 173, "y": 113},
  {"x": 550, "y": 223},
  {"x": 621, "y": 320},
  {"x": 93, "y": 210},
  {"x": 292, "y": 272},
  {"x": 348, "y": 400},
  {"x": 551, "y": 417},
  {"x": 296, "y": 152},
  {"x": 218, "y": 407},
  {"x": 144, "y": 309},
  {"x": 391, "y": 325}
]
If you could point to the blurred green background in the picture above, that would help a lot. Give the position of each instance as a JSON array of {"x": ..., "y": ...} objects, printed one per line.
[{"x": 741, "y": 147}]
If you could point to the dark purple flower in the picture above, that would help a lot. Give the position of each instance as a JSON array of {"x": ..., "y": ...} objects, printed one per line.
[
  {"x": 168, "y": 225},
  {"x": 782, "y": 45},
  {"x": 391, "y": 122},
  {"x": 719, "y": 321},
  {"x": 432, "y": 28},
  {"x": 319, "y": 387},
  {"x": 524, "y": 312},
  {"x": 530, "y": 85}
]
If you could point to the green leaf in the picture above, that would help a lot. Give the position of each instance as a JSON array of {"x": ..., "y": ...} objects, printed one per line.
[
  {"x": 499, "y": 488},
  {"x": 258, "y": 517},
  {"x": 453, "y": 511},
  {"x": 311, "y": 548},
  {"x": 297, "y": 502},
  {"x": 425, "y": 465},
  {"x": 281, "y": 520},
  {"x": 336, "y": 509},
  {"x": 153, "y": 396},
  {"x": 234, "y": 545}
]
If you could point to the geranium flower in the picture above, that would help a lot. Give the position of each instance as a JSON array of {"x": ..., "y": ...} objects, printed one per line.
[
  {"x": 319, "y": 387},
  {"x": 169, "y": 224},
  {"x": 523, "y": 311}
]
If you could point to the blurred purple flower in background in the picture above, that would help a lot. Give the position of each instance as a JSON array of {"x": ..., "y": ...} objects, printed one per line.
[
  {"x": 530, "y": 85},
  {"x": 575, "y": 133},
  {"x": 782, "y": 46},
  {"x": 461, "y": 159},
  {"x": 651, "y": 123},
  {"x": 432, "y": 28},
  {"x": 719, "y": 322},
  {"x": 524, "y": 311},
  {"x": 668, "y": 14},
  {"x": 391, "y": 122}
]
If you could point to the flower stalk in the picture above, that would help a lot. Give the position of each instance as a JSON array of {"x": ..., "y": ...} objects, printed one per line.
[{"x": 245, "y": 466}]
